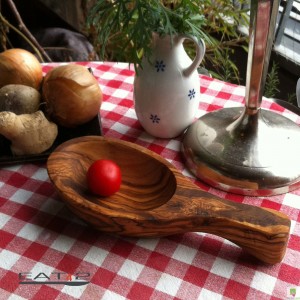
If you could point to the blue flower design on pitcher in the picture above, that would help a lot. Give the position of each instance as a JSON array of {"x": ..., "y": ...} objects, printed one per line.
[
  {"x": 154, "y": 118},
  {"x": 192, "y": 94},
  {"x": 160, "y": 66}
]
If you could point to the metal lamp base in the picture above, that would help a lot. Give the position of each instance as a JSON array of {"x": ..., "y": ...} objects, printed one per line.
[{"x": 256, "y": 155}]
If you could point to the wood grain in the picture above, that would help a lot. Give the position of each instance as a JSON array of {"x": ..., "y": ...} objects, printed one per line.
[{"x": 155, "y": 199}]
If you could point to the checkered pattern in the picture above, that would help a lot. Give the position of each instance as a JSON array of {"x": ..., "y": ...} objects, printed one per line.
[{"x": 38, "y": 234}]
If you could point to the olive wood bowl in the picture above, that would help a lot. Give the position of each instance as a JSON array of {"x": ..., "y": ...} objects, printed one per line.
[{"x": 155, "y": 199}]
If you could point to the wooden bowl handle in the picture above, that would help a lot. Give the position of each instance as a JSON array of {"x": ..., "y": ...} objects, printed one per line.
[{"x": 262, "y": 232}]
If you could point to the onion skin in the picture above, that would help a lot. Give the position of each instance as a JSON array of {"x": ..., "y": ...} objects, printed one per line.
[
  {"x": 19, "y": 66},
  {"x": 72, "y": 95}
]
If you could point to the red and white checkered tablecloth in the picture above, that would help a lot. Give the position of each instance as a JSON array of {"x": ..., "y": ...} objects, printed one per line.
[{"x": 43, "y": 242}]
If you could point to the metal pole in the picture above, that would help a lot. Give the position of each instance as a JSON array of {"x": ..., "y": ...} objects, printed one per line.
[{"x": 263, "y": 14}]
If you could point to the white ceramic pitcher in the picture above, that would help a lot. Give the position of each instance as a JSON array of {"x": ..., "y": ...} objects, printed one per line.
[{"x": 167, "y": 87}]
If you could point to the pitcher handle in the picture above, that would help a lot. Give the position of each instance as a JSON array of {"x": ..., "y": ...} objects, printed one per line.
[{"x": 200, "y": 51}]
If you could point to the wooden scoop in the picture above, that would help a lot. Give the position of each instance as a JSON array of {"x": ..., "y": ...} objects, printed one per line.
[{"x": 156, "y": 200}]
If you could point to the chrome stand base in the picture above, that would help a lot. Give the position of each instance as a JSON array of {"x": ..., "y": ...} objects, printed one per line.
[{"x": 256, "y": 155}]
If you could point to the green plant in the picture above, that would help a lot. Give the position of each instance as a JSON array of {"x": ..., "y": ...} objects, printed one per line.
[
  {"x": 132, "y": 23},
  {"x": 292, "y": 98},
  {"x": 272, "y": 82},
  {"x": 123, "y": 29},
  {"x": 227, "y": 70}
]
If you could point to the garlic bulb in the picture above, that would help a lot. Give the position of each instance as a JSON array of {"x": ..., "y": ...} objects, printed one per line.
[
  {"x": 19, "y": 66},
  {"x": 72, "y": 95}
]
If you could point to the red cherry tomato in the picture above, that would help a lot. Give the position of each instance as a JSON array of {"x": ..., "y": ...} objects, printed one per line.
[{"x": 104, "y": 177}]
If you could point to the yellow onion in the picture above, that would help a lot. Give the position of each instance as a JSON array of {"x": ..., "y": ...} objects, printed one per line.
[
  {"x": 19, "y": 66},
  {"x": 72, "y": 95}
]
